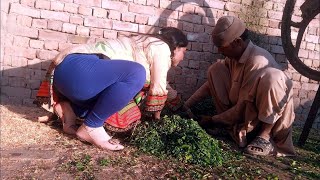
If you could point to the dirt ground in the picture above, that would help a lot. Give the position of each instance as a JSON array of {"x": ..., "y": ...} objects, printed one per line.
[{"x": 34, "y": 150}]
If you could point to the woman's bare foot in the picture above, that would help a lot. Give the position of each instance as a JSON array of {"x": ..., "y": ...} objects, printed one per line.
[
  {"x": 67, "y": 116},
  {"x": 99, "y": 137}
]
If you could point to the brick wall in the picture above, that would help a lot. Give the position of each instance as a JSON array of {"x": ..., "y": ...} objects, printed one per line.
[{"x": 34, "y": 31}]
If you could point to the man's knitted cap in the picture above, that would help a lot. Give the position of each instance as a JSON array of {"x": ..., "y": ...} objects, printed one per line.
[{"x": 227, "y": 29}]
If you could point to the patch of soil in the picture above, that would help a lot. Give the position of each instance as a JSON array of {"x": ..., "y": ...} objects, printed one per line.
[{"x": 34, "y": 150}]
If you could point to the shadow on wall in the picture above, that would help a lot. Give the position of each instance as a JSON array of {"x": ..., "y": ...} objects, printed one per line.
[{"x": 19, "y": 85}]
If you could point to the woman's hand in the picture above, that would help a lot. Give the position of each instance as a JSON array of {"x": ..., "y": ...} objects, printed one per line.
[
  {"x": 153, "y": 115},
  {"x": 156, "y": 115}
]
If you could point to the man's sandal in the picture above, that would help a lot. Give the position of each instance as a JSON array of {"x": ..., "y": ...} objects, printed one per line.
[{"x": 259, "y": 146}]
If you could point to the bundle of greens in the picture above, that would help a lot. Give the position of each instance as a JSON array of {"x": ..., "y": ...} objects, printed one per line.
[{"x": 181, "y": 138}]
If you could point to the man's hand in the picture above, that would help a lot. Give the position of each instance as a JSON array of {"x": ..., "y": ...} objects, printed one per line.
[
  {"x": 205, "y": 121},
  {"x": 189, "y": 112}
]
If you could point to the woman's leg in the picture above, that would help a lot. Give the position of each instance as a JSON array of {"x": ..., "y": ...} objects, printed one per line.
[{"x": 102, "y": 86}]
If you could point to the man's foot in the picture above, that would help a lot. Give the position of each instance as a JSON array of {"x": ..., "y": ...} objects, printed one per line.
[
  {"x": 67, "y": 116},
  {"x": 99, "y": 137},
  {"x": 259, "y": 146}
]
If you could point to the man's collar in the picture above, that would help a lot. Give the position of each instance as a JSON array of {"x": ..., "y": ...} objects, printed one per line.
[{"x": 246, "y": 53}]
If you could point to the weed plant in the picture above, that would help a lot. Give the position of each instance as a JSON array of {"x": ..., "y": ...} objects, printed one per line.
[{"x": 180, "y": 138}]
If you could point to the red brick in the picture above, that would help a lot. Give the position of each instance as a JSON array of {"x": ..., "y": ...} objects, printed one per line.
[
  {"x": 7, "y": 60},
  {"x": 141, "y": 2},
  {"x": 27, "y": 2},
  {"x": 64, "y": 45},
  {"x": 304, "y": 79},
  {"x": 141, "y": 9},
  {"x": 4, "y": 81},
  {"x": 154, "y": 3},
  {"x": 316, "y": 63},
  {"x": 202, "y": 11},
  {"x": 191, "y": 81},
  {"x": 33, "y": 84},
  {"x": 115, "y": 5},
  {"x": 114, "y": 15},
  {"x": 40, "y": 23},
  {"x": 53, "y": 15},
  {"x": 50, "y": 45},
  {"x": 145, "y": 29},
  {"x": 110, "y": 34},
  {"x": 123, "y": 26},
  {"x": 208, "y": 21},
  {"x": 19, "y": 61},
  {"x": 308, "y": 62},
  {"x": 85, "y": 11},
  {"x": 166, "y": 13},
  {"x": 216, "y": 4},
  {"x": 96, "y": 32},
  {"x": 24, "y": 20},
  {"x": 69, "y": 28},
  {"x": 45, "y": 64},
  {"x": 273, "y": 32},
  {"x": 99, "y": 12},
  {"x": 194, "y": 64},
  {"x": 247, "y": 2},
  {"x": 34, "y": 63},
  {"x": 24, "y": 10},
  {"x": 310, "y": 87},
  {"x": 163, "y": 22},
  {"x": 188, "y": 8},
  {"x": 46, "y": 54},
  {"x": 15, "y": 91},
  {"x": 233, "y": 7},
  {"x": 98, "y": 23},
  {"x": 312, "y": 39},
  {"x": 188, "y": 26},
  {"x": 71, "y": 8},
  {"x": 275, "y": 15},
  {"x": 76, "y": 20},
  {"x": 21, "y": 41},
  {"x": 35, "y": 74},
  {"x": 52, "y": 35},
  {"x": 75, "y": 39},
  {"x": 277, "y": 49},
  {"x": 57, "y": 6},
  {"x": 127, "y": 17},
  {"x": 177, "y": 6},
  {"x": 312, "y": 31},
  {"x": 192, "y": 18},
  {"x": 153, "y": 21},
  {"x": 5, "y": 6},
  {"x": 264, "y": 22},
  {"x": 83, "y": 31},
  {"x": 3, "y": 20},
  {"x": 140, "y": 19},
  {"x": 23, "y": 31},
  {"x": 95, "y": 3},
  {"x": 314, "y": 55},
  {"x": 165, "y": 4},
  {"x": 274, "y": 24},
  {"x": 6, "y": 40},
  {"x": 55, "y": 25},
  {"x": 303, "y": 53},
  {"x": 42, "y": 4},
  {"x": 310, "y": 46}
]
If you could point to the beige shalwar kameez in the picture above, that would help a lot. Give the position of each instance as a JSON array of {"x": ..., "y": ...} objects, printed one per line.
[{"x": 249, "y": 91}]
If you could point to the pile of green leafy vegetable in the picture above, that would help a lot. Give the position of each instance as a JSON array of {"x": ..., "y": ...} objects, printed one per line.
[{"x": 177, "y": 137}]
